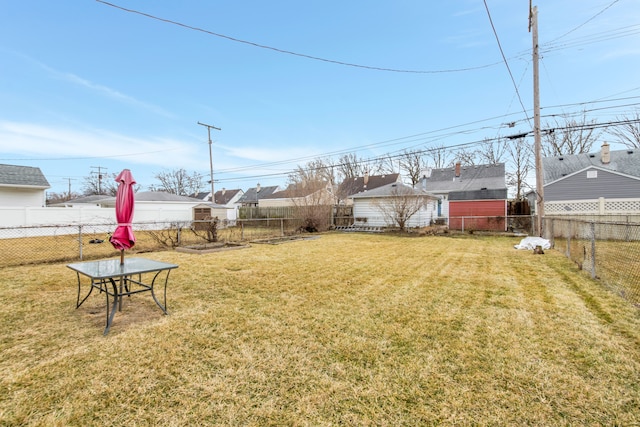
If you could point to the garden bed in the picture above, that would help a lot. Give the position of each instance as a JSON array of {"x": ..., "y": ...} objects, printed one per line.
[
  {"x": 284, "y": 239},
  {"x": 207, "y": 248}
]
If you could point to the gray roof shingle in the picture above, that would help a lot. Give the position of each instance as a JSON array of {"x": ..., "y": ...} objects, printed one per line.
[
  {"x": 22, "y": 176},
  {"x": 252, "y": 195},
  {"x": 391, "y": 190},
  {"x": 475, "y": 177},
  {"x": 622, "y": 161},
  {"x": 356, "y": 185}
]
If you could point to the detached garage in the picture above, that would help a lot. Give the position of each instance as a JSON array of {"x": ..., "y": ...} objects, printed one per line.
[
  {"x": 473, "y": 197},
  {"x": 478, "y": 210}
]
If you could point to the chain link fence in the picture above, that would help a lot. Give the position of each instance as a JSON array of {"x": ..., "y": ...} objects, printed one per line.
[
  {"x": 74, "y": 242},
  {"x": 609, "y": 250}
]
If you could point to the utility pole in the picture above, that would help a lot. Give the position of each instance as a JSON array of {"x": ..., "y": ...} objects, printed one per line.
[
  {"x": 69, "y": 192},
  {"x": 209, "y": 127},
  {"x": 533, "y": 28},
  {"x": 100, "y": 168}
]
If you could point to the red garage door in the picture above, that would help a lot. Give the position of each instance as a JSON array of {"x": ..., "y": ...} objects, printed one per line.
[{"x": 478, "y": 215}]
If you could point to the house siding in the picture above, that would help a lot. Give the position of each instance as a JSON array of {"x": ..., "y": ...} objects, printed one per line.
[
  {"x": 579, "y": 187},
  {"x": 365, "y": 212},
  {"x": 22, "y": 197}
]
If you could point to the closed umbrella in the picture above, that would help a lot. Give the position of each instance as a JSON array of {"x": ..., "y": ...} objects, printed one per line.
[{"x": 123, "y": 237}]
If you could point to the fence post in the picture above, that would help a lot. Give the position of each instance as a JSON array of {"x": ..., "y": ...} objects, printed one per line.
[
  {"x": 242, "y": 230},
  {"x": 593, "y": 250},
  {"x": 80, "y": 241},
  {"x": 463, "y": 224},
  {"x": 568, "y": 252},
  {"x": 281, "y": 227}
]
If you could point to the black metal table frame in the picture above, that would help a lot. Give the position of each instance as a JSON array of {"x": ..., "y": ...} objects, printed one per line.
[{"x": 122, "y": 282}]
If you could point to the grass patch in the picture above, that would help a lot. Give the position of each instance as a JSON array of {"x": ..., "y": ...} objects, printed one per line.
[{"x": 349, "y": 329}]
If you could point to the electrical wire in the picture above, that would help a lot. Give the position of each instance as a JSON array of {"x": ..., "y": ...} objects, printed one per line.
[
  {"x": 288, "y": 52},
  {"x": 424, "y": 151},
  {"x": 504, "y": 58},
  {"x": 585, "y": 23}
]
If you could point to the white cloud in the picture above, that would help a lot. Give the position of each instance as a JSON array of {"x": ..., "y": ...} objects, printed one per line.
[
  {"x": 51, "y": 142},
  {"x": 98, "y": 88}
]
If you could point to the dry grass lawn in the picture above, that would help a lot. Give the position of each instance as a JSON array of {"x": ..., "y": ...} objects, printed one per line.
[{"x": 347, "y": 329}]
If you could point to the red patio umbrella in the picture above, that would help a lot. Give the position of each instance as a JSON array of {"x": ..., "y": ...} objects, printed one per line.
[{"x": 123, "y": 237}]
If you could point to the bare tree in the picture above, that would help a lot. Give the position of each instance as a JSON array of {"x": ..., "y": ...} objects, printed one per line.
[
  {"x": 573, "y": 136},
  {"x": 317, "y": 170},
  {"x": 403, "y": 203},
  {"x": 388, "y": 165},
  {"x": 53, "y": 197},
  {"x": 350, "y": 166},
  {"x": 311, "y": 192},
  {"x": 438, "y": 156},
  {"x": 101, "y": 184},
  {"x": 412, "y": 163},
  {"x": 492, "y": 151},
  {"x": 180, "y": 182},
  {"x": 520, "y": 154},
  {"x": 627, "y": 133},
  {"x": 466, "y": 156}
]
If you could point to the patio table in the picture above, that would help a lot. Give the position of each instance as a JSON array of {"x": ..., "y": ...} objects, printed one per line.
[{"x": 134, "y": 276}]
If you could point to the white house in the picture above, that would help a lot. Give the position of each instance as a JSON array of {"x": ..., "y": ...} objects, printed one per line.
[
  {"x": 150, "y": 207},
  {"x": 22, "y": 186},
  {"x": 381, "y": 206}
]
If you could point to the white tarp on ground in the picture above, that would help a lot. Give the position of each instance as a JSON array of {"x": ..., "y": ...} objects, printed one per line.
[{"x": 532, "y": 242}]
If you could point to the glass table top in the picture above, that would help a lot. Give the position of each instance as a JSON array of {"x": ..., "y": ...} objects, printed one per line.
[{"x": 103, "y": 269}]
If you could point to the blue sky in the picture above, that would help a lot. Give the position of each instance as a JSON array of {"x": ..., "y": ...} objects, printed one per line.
[{"x": 85, "y": 84}]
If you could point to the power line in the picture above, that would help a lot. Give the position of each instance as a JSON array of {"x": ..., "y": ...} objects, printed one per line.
[
  {"x": 504, "y": 58},
  {"x": 288, "y": 52},
  {"x": 585, "y": 22},
  {"x": 428, "y": 150},
  {"x": 422, "y": 137}
]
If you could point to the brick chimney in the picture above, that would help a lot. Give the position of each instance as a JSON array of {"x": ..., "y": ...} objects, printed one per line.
[
  {"x": 366, "y": 179},
  {"x": 457, "y": 169},
  {"x": 605, "y": 155}
]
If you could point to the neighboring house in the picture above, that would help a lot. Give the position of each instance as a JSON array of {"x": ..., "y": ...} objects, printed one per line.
[
  {"x": 93, "y": 200},
  {"x": 203, "y": 195},
  {"x": 170, "y": 206},
  {"x": 352, "y": 186},
  {"x": 601, "y": 183},
  {"x": 224, "y": 197},
  {"x": 380, "y": 206},
  {"x": 228, "y": 197},
  {"x": 313, "y": 194},
  {"x": 253, "y": 195},
  {"x": 22, "y": 186},
  {"x": 473, "y": 197}
]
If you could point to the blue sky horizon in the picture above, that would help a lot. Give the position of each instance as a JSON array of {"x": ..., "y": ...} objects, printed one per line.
[{"x": 123, "y": 84}]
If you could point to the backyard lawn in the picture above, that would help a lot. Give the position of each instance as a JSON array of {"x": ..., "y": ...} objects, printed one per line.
[{"x": 345, "y": 329}]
